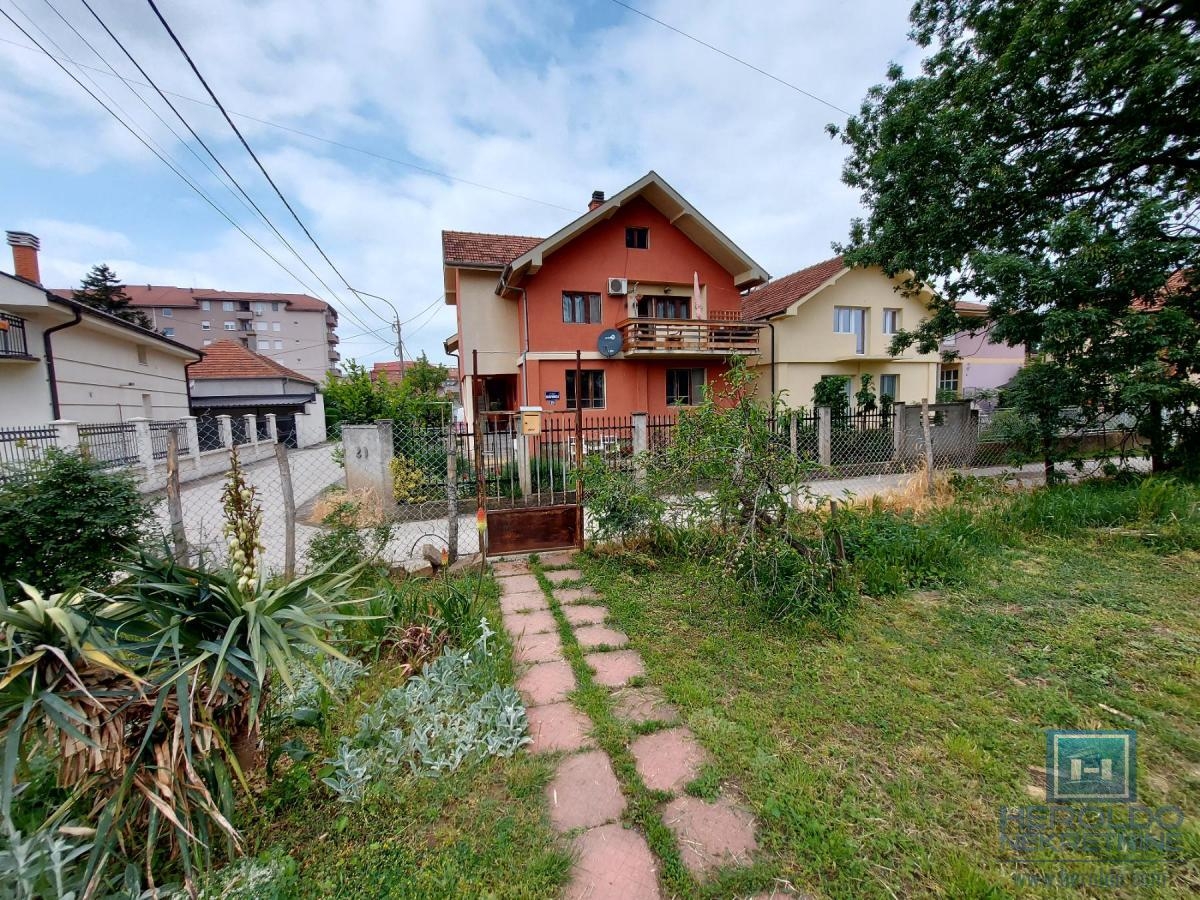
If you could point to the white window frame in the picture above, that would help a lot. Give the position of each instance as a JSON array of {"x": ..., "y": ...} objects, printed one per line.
[
  {"x": 262, "y": 344},
  {"x": 275, "y": 326},
  {"x": 231, "y": 326},
  {"x": 949, "y": 370},
  {"x": 892, "y": 313},
  {"x": 205, "y": 325},
  {"x": 227, "y": 305},
  {"x": 167, "y": 312},
  {"x": 206, "y": 305},
  {"x": 279, "y": 345}
]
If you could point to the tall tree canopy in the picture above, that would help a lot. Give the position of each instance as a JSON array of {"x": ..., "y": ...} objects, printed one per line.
[
  {"x": 102, "y": 290},
  {"x": 1046, "y": 160},
  {"x": 357, "y": 399}
]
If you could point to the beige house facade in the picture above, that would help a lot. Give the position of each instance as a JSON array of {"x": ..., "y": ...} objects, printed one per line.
[
  {"x": 829, "y": 319},
  {"x": 62, "y": 360}
]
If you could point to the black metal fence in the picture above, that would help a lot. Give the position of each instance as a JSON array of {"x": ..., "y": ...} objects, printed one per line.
[
  {"x": 20, "y": 447},
  {"x": 12, "y": 336},
  {"x": 110, "y": 445},
  {"x": 158, "y": 438}
]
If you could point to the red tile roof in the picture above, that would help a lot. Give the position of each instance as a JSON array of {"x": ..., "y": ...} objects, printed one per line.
[
  {"x": 148, "y": 295},
  {"x": 967, "y": 308},
  {"x": 229, "y": 359},
  {"x": 471, "y": 248},
  {"x": 394, "y": 369},
  {"x": 776, "y": 296}
]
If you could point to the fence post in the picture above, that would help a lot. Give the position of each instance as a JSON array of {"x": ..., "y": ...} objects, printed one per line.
[
  {"x": 824, "y": 435},
  {"x": 898, "y": 449},
  {"x": 927, "y": 436},
  {"x": 289, "y": 511},
  {"x": 387, "y": 450},
  {"x": 225, "y": 423},
  {"x": 641, "y": 442},
  {"x": 451, "y": 493},
  {"x": 251, "y": 421},
  {"x": 368, "y": 452},
  {"x": 524, "y": 476},
  {"x": 175, "y": 499},
  {"x": 193, "y": 438},
  {"x": 67, "y": 434},
  {"x": 272, "y": 428},
  {"x": 145, "y": 447},
  {"x": 794, "y": 447}
]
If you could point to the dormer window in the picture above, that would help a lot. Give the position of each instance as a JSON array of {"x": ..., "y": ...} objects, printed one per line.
[{"x": 637, "y": 238}]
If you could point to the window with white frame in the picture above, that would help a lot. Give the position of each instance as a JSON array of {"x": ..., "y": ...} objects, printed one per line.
[
  {"x": 274, "y": 326},
  {"x": 889, "y": 386},
  {"x": 851, "y": 320},
  {"x": 948, "y": 379},
  {"x": 227, "y": 305},
  {"x": 206, "y": 305},
  {"x": 950, "y": 340},
  {"x": 207, "y": 342},
  {"x": 166, "y": 312},
  {"x": 231, "y": 326},
  {"x": 279, "y": 345},
  {"x": 260, "y": 326},
  {"x": 891, "y": 321},
  {"x": 263, "y": 344},
  {"x": 274, "y": 306},
  {"x": 205, "y": 325}
]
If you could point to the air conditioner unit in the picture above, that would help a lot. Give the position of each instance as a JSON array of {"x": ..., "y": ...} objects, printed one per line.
[{"x": 618, "y": 286}]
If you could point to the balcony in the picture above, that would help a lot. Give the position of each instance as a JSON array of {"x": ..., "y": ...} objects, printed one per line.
[
  {"x": 688, "y": 337},
  {"x": 12, "y": 338},
  {"x": 334, "y": 356}
]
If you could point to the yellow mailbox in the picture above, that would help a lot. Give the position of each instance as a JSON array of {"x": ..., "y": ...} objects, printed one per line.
[{"x": 531, "y": 420}]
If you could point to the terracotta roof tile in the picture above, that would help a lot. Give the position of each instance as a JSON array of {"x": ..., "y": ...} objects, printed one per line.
[
  {"x": 394, "y": 369},
  {"x": 471, "y": 248},
  {"x": 149, "y": 295},
  {"x": 229, "y": 359},
  {"x": 776, "y": 296}
]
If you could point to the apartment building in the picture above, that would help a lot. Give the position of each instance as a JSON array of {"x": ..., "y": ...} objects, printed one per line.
[{"x": 295, "y": 330}]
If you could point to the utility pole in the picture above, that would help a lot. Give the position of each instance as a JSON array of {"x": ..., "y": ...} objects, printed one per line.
[{"x": 396, "y": 324}]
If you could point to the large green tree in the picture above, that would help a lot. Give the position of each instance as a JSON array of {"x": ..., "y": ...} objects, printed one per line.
[
  {"x": 356, "y": 398},
  {"x": 102, "y": 290},
  {"x": 1046, "y": 160}
]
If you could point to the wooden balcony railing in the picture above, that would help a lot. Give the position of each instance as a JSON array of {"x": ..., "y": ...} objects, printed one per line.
[{"x": 682, "y": 337}]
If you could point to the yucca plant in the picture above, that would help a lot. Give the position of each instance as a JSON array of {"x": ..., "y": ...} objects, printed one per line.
[{"x": 149, "y": 693}]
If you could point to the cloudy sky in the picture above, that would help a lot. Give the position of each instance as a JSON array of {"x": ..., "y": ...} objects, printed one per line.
[{"x": 420, "y": 115}]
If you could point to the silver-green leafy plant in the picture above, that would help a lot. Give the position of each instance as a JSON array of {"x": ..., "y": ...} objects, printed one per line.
[{"x": 452, "y": 714}]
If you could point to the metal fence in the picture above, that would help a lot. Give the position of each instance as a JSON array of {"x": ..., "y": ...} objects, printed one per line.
[
  {"x": 158, "y": 438},
  {"x": 22, "y": 446},
  {"x": 110, "y": 445}
]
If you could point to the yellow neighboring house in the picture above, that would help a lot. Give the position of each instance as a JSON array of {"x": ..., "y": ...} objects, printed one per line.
[{"x": 829, "y": 319}]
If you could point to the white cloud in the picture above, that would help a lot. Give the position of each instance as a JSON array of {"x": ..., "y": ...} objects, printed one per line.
[{"x": 522, "y": 96}]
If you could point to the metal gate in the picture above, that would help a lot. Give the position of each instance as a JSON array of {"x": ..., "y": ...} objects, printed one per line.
[{"x": 527, "y": 478}]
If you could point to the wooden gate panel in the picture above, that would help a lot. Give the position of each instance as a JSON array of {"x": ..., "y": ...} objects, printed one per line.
[{"x": 523, "y": 530}]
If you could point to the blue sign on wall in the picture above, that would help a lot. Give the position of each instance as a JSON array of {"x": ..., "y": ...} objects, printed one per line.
[{"x": 551, "y": 396}]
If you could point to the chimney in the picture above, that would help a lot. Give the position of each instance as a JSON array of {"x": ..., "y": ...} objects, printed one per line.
[
  {"x": 25, "y": 255},
  {"x": 597, "y": 199}
]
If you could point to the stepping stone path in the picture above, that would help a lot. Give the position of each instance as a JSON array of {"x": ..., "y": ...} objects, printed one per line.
[{"x": 585, "y": 798}]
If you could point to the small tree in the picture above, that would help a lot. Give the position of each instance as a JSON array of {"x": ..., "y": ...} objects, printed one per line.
[
  {"x": 102, "y": 290},
  {"x": 864, "y": 397},
  {"x": 1044, "y": 395},
  {"x": 358, "y": 399}
]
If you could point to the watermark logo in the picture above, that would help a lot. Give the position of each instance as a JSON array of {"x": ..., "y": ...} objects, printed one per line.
[{"x": 1091, "y": 766}]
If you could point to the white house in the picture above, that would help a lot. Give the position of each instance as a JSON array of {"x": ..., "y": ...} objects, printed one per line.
[{"x": 62, "y": 360}]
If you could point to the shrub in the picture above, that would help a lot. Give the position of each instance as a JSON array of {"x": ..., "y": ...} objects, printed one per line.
[
  {"x": 618, "y": 504},
  {"x": 452, "y": 714},
  {"x": 409, "y": 483},
  {"x": 64, "y": 521},
  {"x": 344, "y": 540}
]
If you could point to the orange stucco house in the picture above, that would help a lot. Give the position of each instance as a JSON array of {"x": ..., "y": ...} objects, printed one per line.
[{"x": 645, "y": 287}]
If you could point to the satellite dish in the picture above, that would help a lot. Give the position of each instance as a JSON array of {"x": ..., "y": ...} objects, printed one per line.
[{"x": 609, "y": 342}]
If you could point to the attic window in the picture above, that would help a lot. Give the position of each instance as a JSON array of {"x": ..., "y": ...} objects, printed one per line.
[{"x": 637, "y": 238}]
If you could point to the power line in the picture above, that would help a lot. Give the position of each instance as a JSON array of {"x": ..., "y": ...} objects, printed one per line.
[
  {"x": 319, "y": 138},
  {"x": 161, "y": 157},
  {"x": 736, "y": 59},
  {"x": 267, "y": 175},
  {"x": 254, "y": 207}
]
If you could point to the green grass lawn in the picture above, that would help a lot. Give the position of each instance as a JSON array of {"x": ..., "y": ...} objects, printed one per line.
[
  {"x": 478, "y": 832},
  {"x": 877, "y": 761}
]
